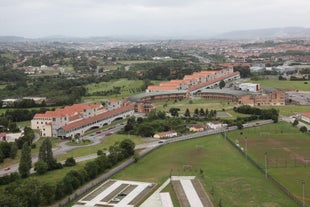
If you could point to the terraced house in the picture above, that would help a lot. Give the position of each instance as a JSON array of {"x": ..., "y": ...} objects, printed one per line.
[{"x": 79, "y": 118}]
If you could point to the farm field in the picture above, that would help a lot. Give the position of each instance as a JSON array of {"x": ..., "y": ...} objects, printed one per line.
[
  {"x": 226, "y": 173},
  {"x": 284, "y": 84},
  {"x": 287, "y": 153}
]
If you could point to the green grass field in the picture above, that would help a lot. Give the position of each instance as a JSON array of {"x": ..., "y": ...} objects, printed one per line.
[
  {"x": 290, "y": 109},
  {"x": 226, "y": 172},
  {"x": 2, "y": 86},
  {"x": 287, "y": 153},
  {"x": 128, "y": 87},
  {"x": 196, "y": 103},
  {"x": 285, "y": 84}
]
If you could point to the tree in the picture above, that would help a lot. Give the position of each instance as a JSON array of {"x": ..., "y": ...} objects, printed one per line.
[
  {"x": 25, "y": 161},
  {"x": 196, "y": 111},
  {"x": 47, "y": 193},
  {"x": 28, "y": 192},
  {"x": 127, "y": 147},
  {"x": 295, "y": 123},
  {"x": 46, "y": 154},
  {"x": 59, "y": 191},
  {"x": 70, "y": 162},
  {"x": 303, "y": 129},
  {"x": 13, "y": 151},
  {"x": 1, "y": 156},
  {"x": 41, "y": 167},
  {"x": 222, "y": 84},
  {"x": 201, "y": 112},
  {"x": 174, "y": 112},
  {"x": 187, "y": 113},
  {"x": 103, "y": 162},
  {"x": 92, "y": 169}
]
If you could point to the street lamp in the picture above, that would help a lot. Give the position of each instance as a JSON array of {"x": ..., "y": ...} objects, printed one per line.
[{"x": 266, "y": 170}]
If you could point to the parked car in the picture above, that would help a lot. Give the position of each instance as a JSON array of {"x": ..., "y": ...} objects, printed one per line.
[{"x": 7, "y": 168}]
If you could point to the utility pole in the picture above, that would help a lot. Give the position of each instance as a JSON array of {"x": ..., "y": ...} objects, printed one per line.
[
  {"x": 266, "y": 170},
  {"x": 246, "y": 148},
  {"x": 303, "y": 193}
]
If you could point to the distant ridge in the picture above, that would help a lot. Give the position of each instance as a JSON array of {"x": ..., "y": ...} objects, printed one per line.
[
  {"x": 269, "y": 33},
  {"x": 12, "y": 39}
]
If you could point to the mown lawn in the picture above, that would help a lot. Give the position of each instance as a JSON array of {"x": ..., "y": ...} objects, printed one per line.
[
  {"x": 128, "y": 87},
  {"x": 284, "y": 84},
  {"x": 226, "y": 173},
  {"x": 290, "y": 109},
  {"x": 192, "y": 105}
]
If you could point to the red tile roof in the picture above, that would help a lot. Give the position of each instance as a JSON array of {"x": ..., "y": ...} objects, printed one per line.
[
  {"x": 98, "y": 117},
  {"x": 306, "y": 114},
  {"x": 68, "y": 110}
]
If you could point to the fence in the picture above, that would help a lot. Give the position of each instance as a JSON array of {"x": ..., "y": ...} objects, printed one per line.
[{"x": 262, "y": 169}]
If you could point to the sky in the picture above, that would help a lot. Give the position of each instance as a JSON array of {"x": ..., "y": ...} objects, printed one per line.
[{"x": 89, "y": 18}]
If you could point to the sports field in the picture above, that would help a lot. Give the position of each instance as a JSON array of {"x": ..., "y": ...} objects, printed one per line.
[
  {"x": 224, "y": 172},
  {"x": 284, "y": 84},
  {"x": 287, "y": 153}
]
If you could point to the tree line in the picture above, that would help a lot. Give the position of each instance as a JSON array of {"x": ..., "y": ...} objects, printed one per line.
[{"x": 32, "y": 192}]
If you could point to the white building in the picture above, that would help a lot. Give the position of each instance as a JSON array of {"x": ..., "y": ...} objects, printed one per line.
[
  {"x": 253, "y": 87},
  {"x": 215, "y": 125}
]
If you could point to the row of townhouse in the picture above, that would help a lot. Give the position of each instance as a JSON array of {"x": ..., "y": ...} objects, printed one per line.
[
  {"x": 50, "y": 122},
  {"x": 196, "y": 80}
]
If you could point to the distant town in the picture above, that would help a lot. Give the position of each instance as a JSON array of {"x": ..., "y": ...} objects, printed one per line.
[{"x": 214, "y": 122}]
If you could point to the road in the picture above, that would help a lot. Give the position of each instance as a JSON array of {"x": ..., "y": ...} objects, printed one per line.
[{"x": 63, "y": 148}]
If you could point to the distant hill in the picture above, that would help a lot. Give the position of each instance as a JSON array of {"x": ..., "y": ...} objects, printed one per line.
[
  {"x": 12, "y": 39},
  {"x": 270, "y": 33},
  {"x": 286, "y": 32}
]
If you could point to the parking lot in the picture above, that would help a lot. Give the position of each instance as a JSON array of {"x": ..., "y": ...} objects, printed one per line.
[{"x": 299, "y": 98}]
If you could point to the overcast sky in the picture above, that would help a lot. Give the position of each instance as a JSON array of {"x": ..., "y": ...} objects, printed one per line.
[{"x": 85, "y": 18}]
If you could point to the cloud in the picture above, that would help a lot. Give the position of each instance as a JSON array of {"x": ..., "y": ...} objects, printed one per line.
[{"x": 147, "y": 17}]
